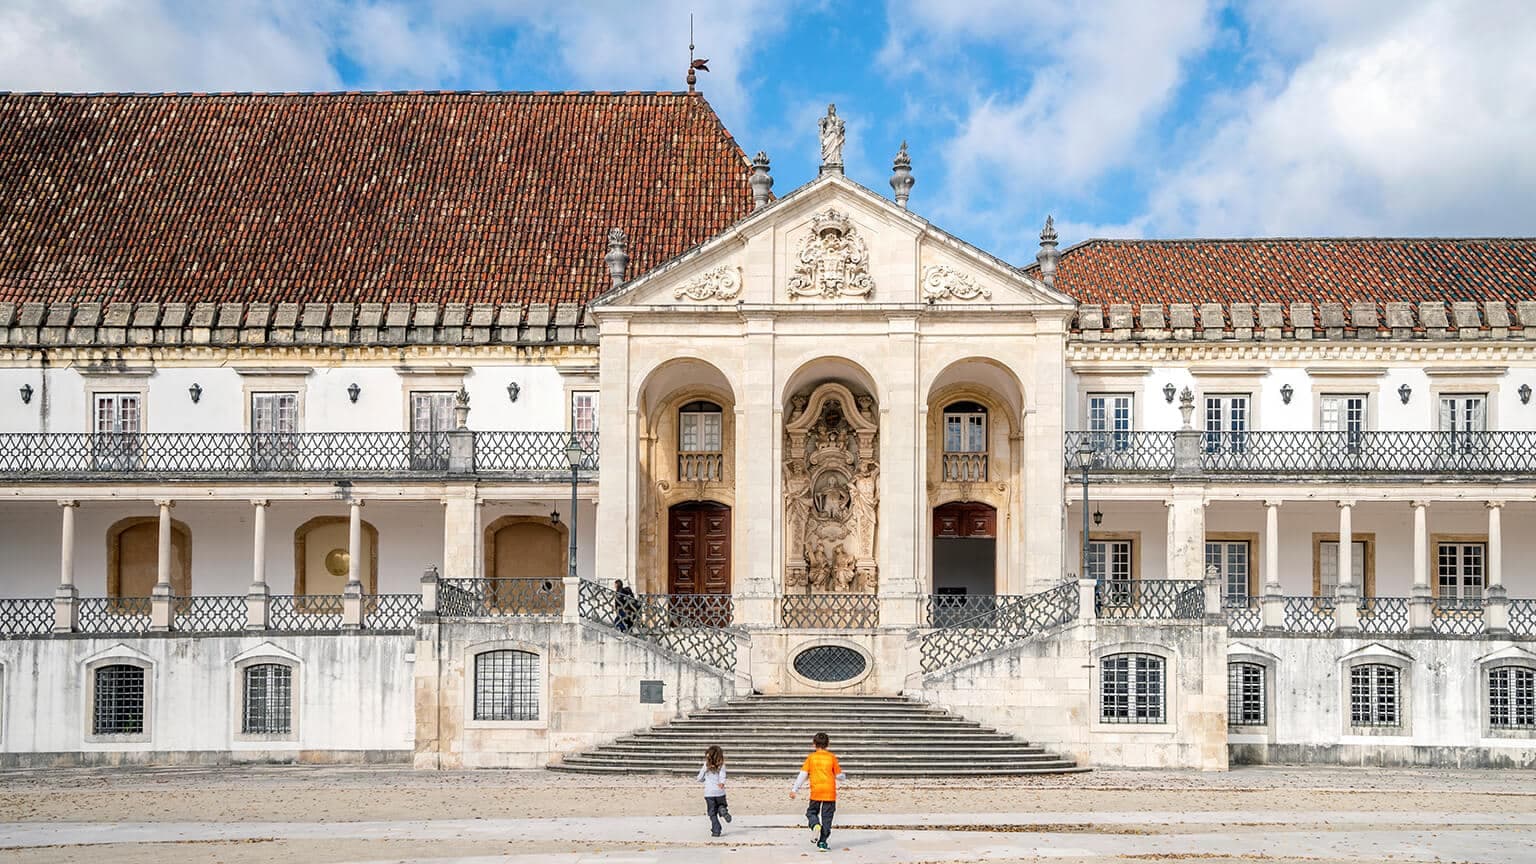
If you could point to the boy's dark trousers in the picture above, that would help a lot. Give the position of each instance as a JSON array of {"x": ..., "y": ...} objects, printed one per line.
[
  {"x": 714, "y": 806},
  {"x": 821, "y": 812}
]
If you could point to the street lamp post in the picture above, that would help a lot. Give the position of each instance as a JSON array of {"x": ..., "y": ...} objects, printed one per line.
[
  {"x": 1085, "y": 461},
  {"x": 574, "y": 453}
]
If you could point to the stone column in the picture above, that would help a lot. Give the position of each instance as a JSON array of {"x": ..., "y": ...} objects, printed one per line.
[
  {"x": 461, "y": 533},
  {"x": 352, "y": 594},
  {"x": 1186, "y": 534},
  {"x": 897, "y": 541},
  {"x": 1273, "y": 604},
  {"x": 1421, "y": 603},
  {"x": 1496, "y": 608},
  {"x": 759, "y": 424},
  {"x": 65, "y": 597},
  {"x": 1346, "y": 607},
  {"x": 160, "y": 597},
  {"x": 256, "y": 599}
]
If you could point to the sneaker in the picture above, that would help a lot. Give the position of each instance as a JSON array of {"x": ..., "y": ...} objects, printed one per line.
[
  {"x": 714, "y": 833},
  {"x": 822, "y": 845},
  {"x": 816, "y": 833},
  {"x": 726, "y": 815}
]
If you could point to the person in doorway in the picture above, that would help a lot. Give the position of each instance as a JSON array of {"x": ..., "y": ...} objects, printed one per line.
[
  {"x": 823, "y": 772},
  {"x": 623, "y": 606},
  {"x": 712, "y": 775}
]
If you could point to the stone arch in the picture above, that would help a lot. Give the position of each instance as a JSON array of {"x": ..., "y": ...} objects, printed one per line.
[
  {"x": 542, "y": 548},
  {"x": 830, "y": 368},
  {"x": 324, "y": 580},
  {"x": 133, "y": 557},
  {"x": 982, "y": 374}
]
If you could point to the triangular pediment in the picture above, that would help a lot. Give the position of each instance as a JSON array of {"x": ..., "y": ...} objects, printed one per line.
[{"x": 834, "y": 243}]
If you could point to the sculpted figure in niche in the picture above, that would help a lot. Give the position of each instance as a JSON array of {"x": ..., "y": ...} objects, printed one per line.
[
  {"x": 820, "y": 574},
  {"x": 843, "y": 569},
  {"x": 832, "y": 499},
  {"x": 797, "y": 504},
  {"x": 865, "y": 504}
]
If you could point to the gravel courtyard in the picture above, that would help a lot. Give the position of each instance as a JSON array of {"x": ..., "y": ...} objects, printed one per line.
[{"x": 347, "y": 814}]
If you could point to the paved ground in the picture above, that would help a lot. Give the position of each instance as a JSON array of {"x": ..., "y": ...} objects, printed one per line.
[{"x": 333, "y": 815}]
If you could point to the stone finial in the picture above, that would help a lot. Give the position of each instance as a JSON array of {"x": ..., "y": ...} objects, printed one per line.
[
  {"x": 461, "y": 409},
  {"x": 1187, "y": 407},
  {"x": 901, "y": 176},
  {"x": 761, "y": 181},
  {"x": 1048, "y": 256},
  {"x": 617, "y": 258},
  {"x": 831, "y": 130}
]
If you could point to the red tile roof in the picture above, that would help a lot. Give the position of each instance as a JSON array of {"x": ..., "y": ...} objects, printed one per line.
[
  {"x": 363, "y": 197},
  {"x": 1344, "y": 270}
]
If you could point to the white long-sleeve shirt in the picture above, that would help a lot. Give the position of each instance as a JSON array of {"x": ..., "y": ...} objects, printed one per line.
[{"x": 714, "y": 781}]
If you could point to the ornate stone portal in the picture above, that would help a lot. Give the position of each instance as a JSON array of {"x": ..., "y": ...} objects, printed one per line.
[{"x": 831, "y": 493}]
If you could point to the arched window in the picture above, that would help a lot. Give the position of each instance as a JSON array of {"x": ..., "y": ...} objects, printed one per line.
[
  {"x": 965, "y": 442},
  {"x": 1373, "y": 696},
  {"x": 507, "y": 685},
  {"x": 268, "y": 703},
  {"x": 1132, "y": 689},
  {"x": 1245, "y": 695},
  {"x": 118, "y": 700},
  {"x": 1512, "y": 697},
  {"x": 700, "y": 441}
]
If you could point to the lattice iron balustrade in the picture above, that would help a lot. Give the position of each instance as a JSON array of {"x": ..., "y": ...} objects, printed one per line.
[
  {"x": 1384, "y": 616},
  {"x": 1308, "y": 615},
  {"x": 485, "y": 598},
  {"x": 1008, "y": 619},
  {"x": 1522, "y": 617},
  {"x": 113, "y": 614},
  {"x": 1143, "y": 599},
  {"x": 1244, "y": 614},
  {"x": 26, "y": 617},
  {"x": 949, "y": 610},
  {"x": 1121, "y": 452},
  {"x": 298, "y": 613},
  {"x": 656, "y": 620},
  {"x": 531, "y": 452},
  {"x": 1458, "y": 617},
  {"x": 830, "y": 664},
  {"x": 391, "y": 611},
  {"x": 830, "y": 611},
  {"x": 221, "y": 614}
]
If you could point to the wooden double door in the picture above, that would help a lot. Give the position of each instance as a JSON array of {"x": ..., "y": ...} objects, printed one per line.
[{"x": 699, "y": 548}]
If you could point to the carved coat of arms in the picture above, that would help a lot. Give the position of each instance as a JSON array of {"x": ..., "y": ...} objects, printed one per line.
[{"x": 831, "y": 261}]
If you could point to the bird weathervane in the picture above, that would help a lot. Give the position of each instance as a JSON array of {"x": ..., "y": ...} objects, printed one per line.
[{"x": 694, "y": 65}]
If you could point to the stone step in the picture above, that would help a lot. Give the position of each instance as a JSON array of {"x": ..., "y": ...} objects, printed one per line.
[
  {"x": 790, "y": 768},
  {"x": 950, "y": 771},
  {"x": 831, "y": 728}
]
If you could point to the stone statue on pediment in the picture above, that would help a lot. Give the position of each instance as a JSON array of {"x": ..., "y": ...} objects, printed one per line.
[{"x": 832, "y": 135}]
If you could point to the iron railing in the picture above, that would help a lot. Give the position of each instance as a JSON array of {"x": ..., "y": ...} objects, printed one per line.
[
  {"x": 1308, "y": 615},
  {"x": 26, "y": 617},
  {"x": 54, "y": 456},
  {"x": 485, "y": 598},
  {"x": 948, "y": 610},
  {"x": 830, "y": 611},
  {"x": 1005, "y": 620},
  {"x": 1244, "y": 614},
  {"x": 965, "y": 467},
  {"x": 1384, "y": 616},
  {"x": 1458, "y": 617},
  {"x": 1142, "y": 599},
  {"x": 655, "y": 620},
  {"x": 214, "y": 614},
  {"x": 298, "y": 613},
  {"x": 1522, "y": 617},
  {"x": 391, "y": 611},
  {"x": 1121, "y": 452},
  {"x": 113, "y": 615}
]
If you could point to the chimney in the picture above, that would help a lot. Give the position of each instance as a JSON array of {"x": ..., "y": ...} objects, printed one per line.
[
  {"x": 901, "y": 176},
  {"x": 1048, "y": 256},
  {"x": 762, "y": 181},
  {"x": 617, "y": 258}
]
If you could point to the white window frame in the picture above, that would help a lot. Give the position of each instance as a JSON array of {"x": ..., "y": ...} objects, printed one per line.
[
  {"x": 1376, "y": 655},
  {"x": 1509, "y": 659},
  {"x": 1139, "y": 668},
  {"x": 1223, "y": 561},
  {"x": 295, "y": 693},
  {"x": 1111, "y": 418},
  {"x": 1112, "y": 564},
  {"x": 1375, "y": 696},
  {"x": 1466, "y": 556},
  {"x": 1344, "y": 418},
  {"x": 1360, "y": 575},
  {"x": 1228, "y": 417},
  {"x": 968, "y": 424},
  {"x": 704, "y": 432}
]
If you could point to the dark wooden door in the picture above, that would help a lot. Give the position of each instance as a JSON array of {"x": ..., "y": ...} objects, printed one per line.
[
  {"x": 699, "y": 549},
  {"x": 964, "y": 520}
]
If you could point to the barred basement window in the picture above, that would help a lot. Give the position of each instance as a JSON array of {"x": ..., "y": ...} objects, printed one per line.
[
  {"x": 507, "y": 685},
  {"x": 1245, "y": 694},
  {"x": 1131, "y": 689},
  {"x": 1512, "y": 698},
  {"x": 119, "y": 701},
  {"x": 268, "y": 700},
  {"x": 1373, "y": 699}
]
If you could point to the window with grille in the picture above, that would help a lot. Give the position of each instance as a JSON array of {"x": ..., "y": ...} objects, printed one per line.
[
  {"x": 1109, "y": 565},
  {"x": 268, "y": 700},
  {"x": 119, "y": 701},
  {"x": 1245, "y": 694},
  {"x": 965, "y": 428},
  {"x": 1512, "y": 698},
  {"x": 1109, "y": 419},
  {"x": 1226, "y": 423},
  {"x": 507, "y": 685},
  {"x": 1232, "y": 562},
  {"x": 699, "y": 428},
  {"x": 1373, "y": 696},
  {"x": 1459, "y": 570},
  {"x": 1131, "y": 689}
]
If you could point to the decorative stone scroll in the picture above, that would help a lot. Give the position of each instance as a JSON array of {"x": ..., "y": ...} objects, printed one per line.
[
  {"x": 831, "y": 261},
  {"x": 831, "y": 493},
  {"x": 941, "y": 282},
  {"x": 721, "y": 283}
]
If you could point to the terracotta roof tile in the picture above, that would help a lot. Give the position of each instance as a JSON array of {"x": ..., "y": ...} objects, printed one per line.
[{"x": 353, "y": 197}]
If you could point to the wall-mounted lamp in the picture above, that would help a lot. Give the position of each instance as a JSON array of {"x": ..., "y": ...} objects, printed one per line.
[
  {"x": 554, "y": 518},
  {"x": 1404, "y": 392},
  {"x": 513, "y": 391},
  {"x": 1286, "y": 392},
  {"x": 1525, "y": 394},
  {"x": 26, "y": 394},
  {"x": 1098, "y": 517},
  {"x": 196, "y": 392},
  {"x": 353, "y": 391},
  {"x": 1169, "y": 391}
]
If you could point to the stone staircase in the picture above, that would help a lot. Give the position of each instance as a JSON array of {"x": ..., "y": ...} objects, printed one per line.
[{"x": 873, "y": 736}]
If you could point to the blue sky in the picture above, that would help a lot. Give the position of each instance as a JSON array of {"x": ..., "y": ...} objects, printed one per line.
[{"x": 1126, "y": 118}]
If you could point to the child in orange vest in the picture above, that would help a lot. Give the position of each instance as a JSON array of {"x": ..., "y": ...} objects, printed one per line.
[{"x": 822, "y": 770}]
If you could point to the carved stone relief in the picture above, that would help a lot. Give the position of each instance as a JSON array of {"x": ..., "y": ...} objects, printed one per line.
[
  {"x": 941, "y": 282},
  {"x": 831, "y": 492},
  {"x": 831, "y": 261},
  {"x": 721, "y": 283}
]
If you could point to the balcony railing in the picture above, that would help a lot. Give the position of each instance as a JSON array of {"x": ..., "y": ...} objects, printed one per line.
[
  {"x": 1304, "y": 454},
  {"x": 1154, "y": 599},
  {"x": 697, "y": 627},
  {"x": 700, "y": 467},
  {"x": 965, "y": 467},
  {"x": 830, "y": 611},
  {"x": 52, "y": 456},
  {"x": 964, "y": 631}
]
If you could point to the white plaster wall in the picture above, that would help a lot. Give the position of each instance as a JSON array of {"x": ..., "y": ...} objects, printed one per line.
[{"x": 353, "y": 694}]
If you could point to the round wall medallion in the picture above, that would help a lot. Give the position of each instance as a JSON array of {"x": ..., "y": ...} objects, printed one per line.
[
  {"x": 336, "y": 562},
  {"x": 829, "y": 663}
]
